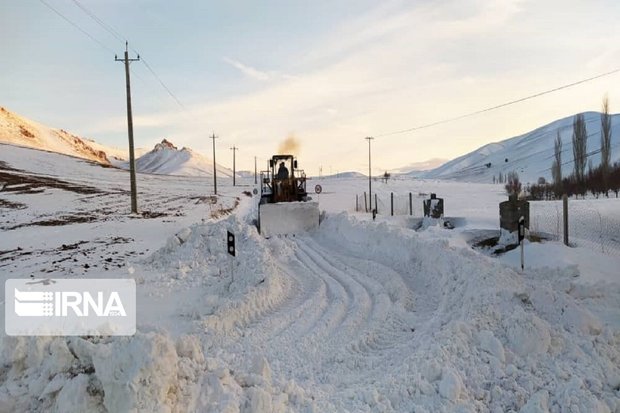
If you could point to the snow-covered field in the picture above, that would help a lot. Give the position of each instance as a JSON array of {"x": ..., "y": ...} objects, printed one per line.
[{"x": 357, "y": 316}]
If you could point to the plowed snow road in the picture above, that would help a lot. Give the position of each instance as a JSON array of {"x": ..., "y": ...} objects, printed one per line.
[{"x": 340, "y": 322}]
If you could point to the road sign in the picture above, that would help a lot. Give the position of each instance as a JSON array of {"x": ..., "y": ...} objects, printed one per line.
[{"x": 318, "y": 189}]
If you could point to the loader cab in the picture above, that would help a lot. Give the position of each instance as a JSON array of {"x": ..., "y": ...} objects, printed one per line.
[
  {"x": 278, "y": 163},
  {"x": 283, "y": 181}
]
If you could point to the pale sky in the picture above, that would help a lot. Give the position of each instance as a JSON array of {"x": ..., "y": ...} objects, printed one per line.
[{"x": 330, "y": 72}]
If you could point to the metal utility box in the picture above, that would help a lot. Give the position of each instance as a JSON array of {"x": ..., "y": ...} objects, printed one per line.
[
  {"x": 433, "y": 207},
  {"x": 510, "y": 211}
]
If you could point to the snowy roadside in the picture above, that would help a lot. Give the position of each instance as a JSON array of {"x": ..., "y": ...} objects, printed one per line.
[
  {"x": 360, "y": 315},
  {"x": 161, "y": 368}
]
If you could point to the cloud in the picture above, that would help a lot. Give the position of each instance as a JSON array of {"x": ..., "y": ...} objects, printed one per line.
[
  {"x": 391, "y": 68},
  {"x": 248, "y": 70}
]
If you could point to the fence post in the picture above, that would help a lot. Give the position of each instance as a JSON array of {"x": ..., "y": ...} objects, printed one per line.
[
  {"x": 376, "y": 204},
  {"x": 565, "y": 213},
  {"x": 356, "y": 203},
  {"x": 365, "y": 202},
  {"x": 392, "y": 203},
  {"x": 410, "y": 204}
]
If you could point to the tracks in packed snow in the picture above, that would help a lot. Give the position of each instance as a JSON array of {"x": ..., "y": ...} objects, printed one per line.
[{"x": 340, "y": 319}]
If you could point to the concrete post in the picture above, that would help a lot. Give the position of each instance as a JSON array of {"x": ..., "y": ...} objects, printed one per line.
[{"x": 565, "y": 215}]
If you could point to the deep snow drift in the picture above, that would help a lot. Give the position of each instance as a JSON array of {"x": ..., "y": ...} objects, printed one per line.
[{"x": 359, "y": 315}]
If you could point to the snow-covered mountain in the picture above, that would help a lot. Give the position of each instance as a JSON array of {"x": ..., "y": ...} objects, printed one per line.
[
  {"x": 164, "y": 159},
  {"x": 348, "y": 174},
  {"x": 167, "y": 159},
  {"x": 416, "y": 168},
  {"x": 530, "y": 154},
  {"x": 115, "y": 155},
  {"x": 17, "y": 130},
  {"x": 246, "y": 174}
]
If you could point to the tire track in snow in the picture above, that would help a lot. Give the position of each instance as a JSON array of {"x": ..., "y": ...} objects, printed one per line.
[
  {"x": 340, "y": 298},
  {"x": 241, "y": 316},
  {"x": 404, "y": 284},
  {"x": 344, "y": 319},
  {"x": 373, "y": 328},
  {"x": 384, "y": 328},
  {"x": 298, "y": 314}
]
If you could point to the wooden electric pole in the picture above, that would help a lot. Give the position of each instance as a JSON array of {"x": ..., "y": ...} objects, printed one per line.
[
  {"x": 132, "y": 159},
  {"x": 369, "y": 138},
  {"x": 214, "y": 168},
  {"x": 234, "y": 149}
]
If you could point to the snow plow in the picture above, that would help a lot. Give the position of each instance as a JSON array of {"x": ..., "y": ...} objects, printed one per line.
[{"x": 284, "y": 207}]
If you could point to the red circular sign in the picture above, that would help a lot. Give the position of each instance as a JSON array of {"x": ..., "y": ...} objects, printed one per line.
[{"x": 318, "y": 189}]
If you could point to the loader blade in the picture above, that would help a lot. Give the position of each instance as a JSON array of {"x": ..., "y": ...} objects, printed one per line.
[{"x": 288, "y": 218}]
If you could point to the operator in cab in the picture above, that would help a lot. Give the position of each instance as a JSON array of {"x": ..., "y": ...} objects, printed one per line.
[{"x": 282, "y": 172}]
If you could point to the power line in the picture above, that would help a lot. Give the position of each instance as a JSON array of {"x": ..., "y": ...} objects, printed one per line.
[
  {"x": 161, "y": 82},
  {"x": 512, "y": 102},
  {"x": 77, "y": 27},
  {"x": 122, "y": 38},
  {"x": 92, "y": 15},
  {"x": 479, "y": 168},
  {"x": 587, "y": 155},
  {"x": 111, "y": 30}
]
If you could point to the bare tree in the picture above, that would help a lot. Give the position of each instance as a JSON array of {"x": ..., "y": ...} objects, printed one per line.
[
  {"x": 580, "y": 144},
  {"x": 513, "y": 185},
  {"x": 605, "y": 142},
  {"x": 556, "y": 168}
]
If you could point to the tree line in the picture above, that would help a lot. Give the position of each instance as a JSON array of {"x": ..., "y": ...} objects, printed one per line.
[{"x": 599, "y": 180}]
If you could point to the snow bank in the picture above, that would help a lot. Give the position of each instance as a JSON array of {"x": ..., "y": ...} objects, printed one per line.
[
  {"x": 149, "y": 372},
  {"x": 235, "y": 290},
  {"x": 492, "y": 339},
  {"x": 154, "y": 371}
]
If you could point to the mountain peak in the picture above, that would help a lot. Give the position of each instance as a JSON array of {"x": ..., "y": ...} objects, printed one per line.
[{"x": 165, "y": 144}]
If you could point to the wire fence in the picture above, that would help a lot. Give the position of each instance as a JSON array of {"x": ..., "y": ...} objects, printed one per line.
[
  {"x": 546, "y": 219},
  {"x": 391, "y": 203},
  {"x": 590, "y": 224}
]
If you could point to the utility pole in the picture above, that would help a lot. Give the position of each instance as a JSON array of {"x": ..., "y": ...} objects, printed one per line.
[
  {"x": 255, "y": 172},
  {"x": 369, "y": 138},
  {"x": 234, "y": 149},
  {"x": 132, "y": 159},
  {"x": 214, "y": 168}
]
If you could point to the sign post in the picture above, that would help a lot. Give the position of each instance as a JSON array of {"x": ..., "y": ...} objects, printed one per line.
[
  {"x": 230, "y": 242},
  {"x": 318, "y": 189},
  {"x": 522, "y": 237}
]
